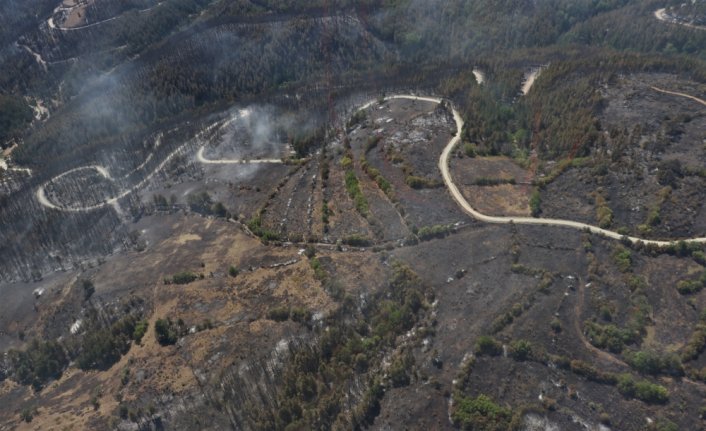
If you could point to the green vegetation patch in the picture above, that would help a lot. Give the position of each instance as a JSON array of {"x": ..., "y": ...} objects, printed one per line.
[
  {"x": 622, "y": 257},
  {"x": 535, "y": 203},
  {"x": 689, "y": 287},
  {"x": 480, "y": 414},
  {"x": 488, "y": 346},
  {"x": 184, "y": 277},
  {"x": 610, "y": 336},
  {"x": 417, "y": 182},
  {"x": 40, "y": 362},
  {"x": 168, "y": 332},
  {"x": 202, "y": 203},
  {"x": 255, "y": 226},
  {"x": 349, "y": 349},
  {"x": 355, "y": 193},
  {"x": 15, "y": 115},
  {"x": 642, "y": 390},
  {"x": 437, "y": 231}
]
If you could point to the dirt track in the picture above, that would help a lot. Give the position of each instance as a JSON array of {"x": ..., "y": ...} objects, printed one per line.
[
  {"x": 675, "y": 93},
  {"x": 40, "y": 194},
  {"x": 463, "y": 203},
  {"x": 53, "y": 26},
  {"x": 661, "y": 14},
  {"x": 443, "y": 166}
]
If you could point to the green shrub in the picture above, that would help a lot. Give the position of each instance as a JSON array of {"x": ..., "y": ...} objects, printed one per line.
[
  {"x": 398, "y": 373},
  {"x": 167, "y": 332},
  {"x": 604, "y": 215},
  {"x": 392, "y": 318},
  {"x": 651, "y": 393},
  {"x": 200, "y": 202},
  {"x": 376, "y": 176},
  {"x": 354, "y": 191},
  {"x": 610, "y": 336},
  {"x": 140, "y": 330},
  {"x": 278, "y": 314},
  {"x": 437, "y": 231},
  {"x": 88, "y": 289},
  {"x": 319, "y": 271},
  {"x": 664, "y": 425},
  {"x": 469, "y": 149},
  {"x": 255, "y": 226},
  {"x": 356, "y": 240},
  {"x": 204, "y": 325},
  {"x": 520, "y": 350},
  {"x": 233, "y": 271},
  {"x": 417, "y": 182},
  {"x": 519, "y": 268},
  {"x": 485, "y": 181},
  {"x": 27, "y": 414},
  {"x": 346, "y": 162},
  {"x": 697, "y": 341},
  {"x": 38, "y": 363},
  {"x": 218, "y": 210},
  {"x": 325, "y": 213},
  {"x": 101, "y": 347},
  {"x": 516, "y": 310},
  {"x": 480, "y": 414},
  {"x": 622, "y": 258},
  {"x": 500, "y": 322},
  {"x": 535, "y": 203},
  {"x": 699, "y": 257},
  {"x": 365, "y": 412},
  {"x": 184, "y": 277},
  {"x": 372, "y": 142},
  {"x": 488, "y": 346},
  {"x": 653, "y": 217},
  {"x": 581, "y": 368},
  {"x": 688, "y": 287},
  {"x": 642, "y": 390},
  {"x": 648, "y": 362},
  {"x": 357, "y": 118},
  {"x": 300, "y": 315}
]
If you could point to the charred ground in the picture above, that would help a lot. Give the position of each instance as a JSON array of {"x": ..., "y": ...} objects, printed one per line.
[{"x": 166, "y": 282}]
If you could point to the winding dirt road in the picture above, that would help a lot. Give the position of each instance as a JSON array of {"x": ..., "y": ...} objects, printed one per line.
[
  {"x": 41, "y": 195},
  {"x": 37, "y": 57},
  {"x": 480, "y": 76},
  {"x": 529, "y": 80},
  {"x": 200, "y": 157},
  {"x": 675, "y": 93},
  {"x": 52, "y": 25},
  {"x": 466, "y": 207},
  {"x": 661, "y": 14},
  {"x": 443, "y": 167}
]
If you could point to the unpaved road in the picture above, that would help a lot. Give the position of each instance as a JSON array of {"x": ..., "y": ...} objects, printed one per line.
[
  {"x": 443, "y": 167},
  {"x": 41, "y": 196},
  {"x": 675, "y": 93},
  {"x": 466, "y": 207},
  {"x": 661, "y": 14},
  {"x": 480, "y": 76},
  {"x": 529, "y": 80},
  {"x": 200, "y": 157},
  {"x": 37, "y": 57},
  {"x": 52, "y": 25}
]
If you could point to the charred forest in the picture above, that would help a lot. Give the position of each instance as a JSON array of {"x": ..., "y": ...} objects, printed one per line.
[{"x": 352, "y": 214}]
